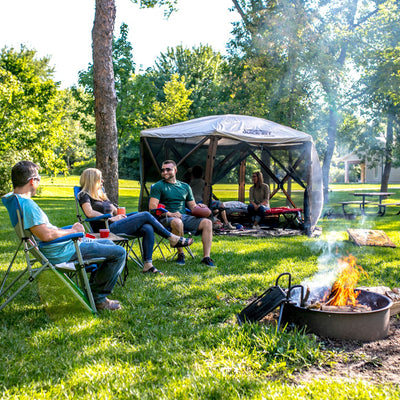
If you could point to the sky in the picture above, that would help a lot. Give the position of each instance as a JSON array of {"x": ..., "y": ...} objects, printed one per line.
[{"x": 62, "y": 30}]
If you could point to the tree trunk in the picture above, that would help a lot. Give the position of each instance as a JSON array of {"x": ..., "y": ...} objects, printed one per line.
[
  {"x": 105, "y": 96},
  {"x": 331, "y": 140},
  {"x": 332, "y": 95},
  {"x": 388, "y": 153}
]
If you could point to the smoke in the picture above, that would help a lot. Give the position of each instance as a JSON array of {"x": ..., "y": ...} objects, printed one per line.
[{"x": 328, "y": 268}]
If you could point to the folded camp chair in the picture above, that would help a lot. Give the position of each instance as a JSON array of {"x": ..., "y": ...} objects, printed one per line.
[
  {"x": 33, "y": 255},
  {"x": 127, "y": 241}
]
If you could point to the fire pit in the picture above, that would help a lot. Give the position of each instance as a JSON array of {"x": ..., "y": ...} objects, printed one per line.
[
  {"x": 338, "y": 312},
  {"x": 358, "y": 325},
  {"x": 341, "y": 312}
]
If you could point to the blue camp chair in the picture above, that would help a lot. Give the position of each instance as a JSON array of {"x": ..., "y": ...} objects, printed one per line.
[
  {"x": 122, "y": 239},
  {"x": 65, "y": 271}
]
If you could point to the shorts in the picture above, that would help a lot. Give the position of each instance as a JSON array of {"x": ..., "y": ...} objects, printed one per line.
[
  {"x": 216, "y": 205},
  {"x": 190, "y": 223}
]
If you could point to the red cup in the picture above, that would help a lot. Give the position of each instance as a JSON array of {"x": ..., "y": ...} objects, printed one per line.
[
  {"x": 121, "y": 211},
  {"x": 104, "y": 233}
]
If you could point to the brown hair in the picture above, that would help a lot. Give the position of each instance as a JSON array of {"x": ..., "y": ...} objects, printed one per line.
[
  {"x": 169, "y": 162},
  {"x": 260, "y": 179},
  {"x": 22, "y": 172}
]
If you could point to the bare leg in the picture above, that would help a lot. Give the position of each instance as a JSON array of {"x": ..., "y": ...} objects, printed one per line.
[
  {"x": 224, "y": 218},
  {"x": 177, "y": 229},
  {"x": 227, "y": 224},
  {"x": 205, "y": 227}
]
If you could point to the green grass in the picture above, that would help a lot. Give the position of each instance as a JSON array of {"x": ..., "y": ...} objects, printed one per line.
[{"x": 176, "y": 337}]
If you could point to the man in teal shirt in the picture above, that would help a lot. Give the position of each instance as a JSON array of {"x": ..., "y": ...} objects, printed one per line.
[{"x": 176, "y": 196}]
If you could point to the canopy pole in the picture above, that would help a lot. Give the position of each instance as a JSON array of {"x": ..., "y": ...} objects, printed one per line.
[
  {"x": 191, "y": 151},
  {"x": 242, "y": 180},
  {"x": 266, "y": 159},
  {"x": 289, "y": 181},
  {"x": 208, "y": 174},
  {"x": 142, "y": 176},
  {"x": 308, "y": 192}
]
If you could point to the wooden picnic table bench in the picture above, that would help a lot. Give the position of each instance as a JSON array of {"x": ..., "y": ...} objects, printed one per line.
[
  {"x": 382, "y": 208},
  {"x": 359, "y": 202},
  {"x": 380, "y": 195}
]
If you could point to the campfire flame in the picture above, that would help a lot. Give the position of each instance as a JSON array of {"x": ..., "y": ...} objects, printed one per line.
[{"x": 342, "y": 292}]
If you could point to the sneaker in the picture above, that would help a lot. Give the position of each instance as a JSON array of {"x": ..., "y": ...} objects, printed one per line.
[
  {"x": 229, "y": 227},
  {"x": 208, "y": 261},
  {"x": 181, "y": 259},
  {"x": 256, "y": 226},
  {"x": 108, "y": 304}
]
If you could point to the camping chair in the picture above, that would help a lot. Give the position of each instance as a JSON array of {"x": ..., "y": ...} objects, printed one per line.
[
  {"x": 160, "y": 241},
  {"x": 80, "y": 289},
  {"x": 122, "y": 239}
]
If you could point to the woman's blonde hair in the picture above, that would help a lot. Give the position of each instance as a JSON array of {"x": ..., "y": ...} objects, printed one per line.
[{"x": 89, "y": 179}]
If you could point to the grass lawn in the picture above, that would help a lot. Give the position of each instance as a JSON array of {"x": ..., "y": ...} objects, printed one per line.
[{"x": 176, "y": 337}]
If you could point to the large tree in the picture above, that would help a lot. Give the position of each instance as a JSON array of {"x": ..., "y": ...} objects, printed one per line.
[
  {"x": 295, "y": 60},
  {"x": 104, "y": 89},
  {"x": 105, "y": 96},
  {"x": 379, "y": 58},
  {"x": 33, "y": 117},
  {"x": 176, "y": 106},
  {"x": 202, "y": 68},
  {"x": 336, "y": 25},
  {"x": 267, "y": 74}
]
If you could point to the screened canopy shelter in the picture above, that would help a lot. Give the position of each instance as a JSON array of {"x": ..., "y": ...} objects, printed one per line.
[{"x": 222, "y": 143}]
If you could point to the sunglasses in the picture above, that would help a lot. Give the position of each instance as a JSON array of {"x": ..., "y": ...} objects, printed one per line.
[
  {"x": 166, "y": 169},
  {"x": 35, "y": 178}
]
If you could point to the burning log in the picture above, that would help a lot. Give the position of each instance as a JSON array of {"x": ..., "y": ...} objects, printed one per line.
[
  {"x": 350, "y": 308},
  {"x": 342, "y": 297},
  {"x": 306, "y": 296},
  {"x": 343, "y": 293},
  {"x": 314, "y": 306}
]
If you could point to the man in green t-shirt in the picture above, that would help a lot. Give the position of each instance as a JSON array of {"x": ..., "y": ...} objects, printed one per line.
[{"x": 176, "y": 196}]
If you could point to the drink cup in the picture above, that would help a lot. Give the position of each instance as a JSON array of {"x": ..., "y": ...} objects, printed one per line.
[
  {"x": 121, "y": 211},
  {"x": 104, "y": 233},
  {"x": 89, "y": 238}
]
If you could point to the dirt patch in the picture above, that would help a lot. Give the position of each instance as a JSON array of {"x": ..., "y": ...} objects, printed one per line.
[{"x": 376, "y": 362}]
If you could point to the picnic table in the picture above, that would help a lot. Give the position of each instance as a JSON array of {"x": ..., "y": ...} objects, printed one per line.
[
  {"x": 358, "y": 202},
  {"x": 381, "y": 195}
]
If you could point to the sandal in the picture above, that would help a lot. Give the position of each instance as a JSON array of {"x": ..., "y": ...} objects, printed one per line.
[
  {"x": 183, "y": 242},
  {"x": 152, "y": 270}
]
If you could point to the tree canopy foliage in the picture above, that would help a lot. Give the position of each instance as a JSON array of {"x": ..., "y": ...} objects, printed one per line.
[
  {"x": 327, "y": 68},
  {"x": 298, "y": 63},
  {"x": 202, "y": 69},
  {"x": 36, "y": 118}
]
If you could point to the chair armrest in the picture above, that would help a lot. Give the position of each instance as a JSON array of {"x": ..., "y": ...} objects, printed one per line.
[
  {"x": 99, "y": 217},
  {"x": 98, "y": 260},
  {"x": 131, "y": 213},
  {"x": 72, "y": 236}
]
